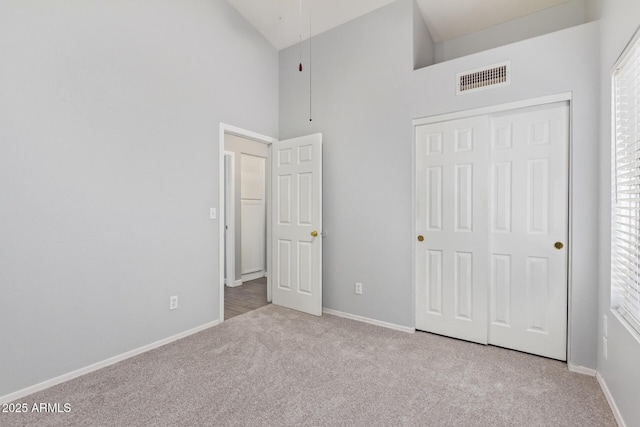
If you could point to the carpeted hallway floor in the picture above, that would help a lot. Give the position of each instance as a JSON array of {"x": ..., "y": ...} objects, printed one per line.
[{"x": 278, "y": 367}]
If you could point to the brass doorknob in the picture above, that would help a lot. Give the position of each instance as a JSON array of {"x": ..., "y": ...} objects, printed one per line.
[
  {"x": 314, "y": 233},
  {"x": 558, "y": 245},
  {"x": 420, "y": 238}
]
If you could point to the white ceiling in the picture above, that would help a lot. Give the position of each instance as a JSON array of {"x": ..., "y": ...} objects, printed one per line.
[{"x": 281, "y": 21}]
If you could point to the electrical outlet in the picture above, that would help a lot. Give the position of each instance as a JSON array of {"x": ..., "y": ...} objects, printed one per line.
[
  {"x": 605, "y": 352},
  {"x": 358, "y": 288},
  {"x": 173, "y": 302}
]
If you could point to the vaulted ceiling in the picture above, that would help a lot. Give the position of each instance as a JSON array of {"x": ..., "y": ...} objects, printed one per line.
[{"x": 284, "y": 22}]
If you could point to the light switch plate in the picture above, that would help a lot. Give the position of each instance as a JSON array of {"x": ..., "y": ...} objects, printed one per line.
[{"x": 213, "y": 214}]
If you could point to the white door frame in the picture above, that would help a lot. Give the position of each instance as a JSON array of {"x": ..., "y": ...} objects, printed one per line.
[
  {"x": 229, "y": 220},
  {"x": 254, "y": 136},
  {"x": 566, "y": 96}
]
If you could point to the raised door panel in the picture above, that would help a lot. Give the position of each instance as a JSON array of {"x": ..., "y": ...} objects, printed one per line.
[
  {"x": 463, "y": 190},
  {"x": 283, "y": 191},
  {"x": 285, "y": 265},
  {"x": 538, "y": 191},
  {"x": 502, "y": 197},
  {"x": 434, "y": 282},
  {"x": 463, "y": 271},
  {"x": 500, "y": 290}
]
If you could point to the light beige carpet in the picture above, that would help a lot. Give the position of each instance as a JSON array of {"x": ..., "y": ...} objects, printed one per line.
[{"x": 278, "y": 367}]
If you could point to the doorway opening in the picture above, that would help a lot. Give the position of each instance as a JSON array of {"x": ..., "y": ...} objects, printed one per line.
[{"x": 244, "y": 253}]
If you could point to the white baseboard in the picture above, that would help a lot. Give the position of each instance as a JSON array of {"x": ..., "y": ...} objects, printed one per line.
[
  {"x": 582, "y": 370},
  {"x": 612, "y": 403},
  {"x": 94, "y": 367},
  {"x": 253, "y": 276},
  {"x": 236, "y": 283},
  {"x": 370, "y": 321}
]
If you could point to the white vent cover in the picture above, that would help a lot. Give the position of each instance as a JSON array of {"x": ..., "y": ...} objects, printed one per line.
[{"x": 484, "y": 78}]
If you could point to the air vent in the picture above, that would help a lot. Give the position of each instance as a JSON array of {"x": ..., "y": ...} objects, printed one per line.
[{"x": 484, "y": 78}]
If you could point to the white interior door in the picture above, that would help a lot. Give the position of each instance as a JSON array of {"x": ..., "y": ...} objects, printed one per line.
[
  {"x": 451, "y": 223},
  {"x": 492, "y": 225},
  {"x": 529, "y": 217},
  {"x": 297, "y": 223}
]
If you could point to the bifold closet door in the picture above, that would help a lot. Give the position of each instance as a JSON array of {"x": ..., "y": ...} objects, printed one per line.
[
  {"x": 451, "y": 224},
  {"x": 529, "y": 230}
]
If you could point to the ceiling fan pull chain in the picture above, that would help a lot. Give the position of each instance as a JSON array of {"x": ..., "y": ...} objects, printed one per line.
[{"x": 300, "y": 34}]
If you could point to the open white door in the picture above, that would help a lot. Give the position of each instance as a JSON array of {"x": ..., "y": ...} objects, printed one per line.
[{"x": 297, "y": 223}]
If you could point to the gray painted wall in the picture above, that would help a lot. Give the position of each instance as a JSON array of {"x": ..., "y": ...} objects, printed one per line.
[
  {"x": 365, "y": 97},
  {"x": 362, "y": 74},
  {"x": 241, "y": 145},
  {"x": 423, "y": 47},
  {"x": 548, "y": 20},
  {"x": 109, "y": 123},
  {"x": 620, "y": 371}
]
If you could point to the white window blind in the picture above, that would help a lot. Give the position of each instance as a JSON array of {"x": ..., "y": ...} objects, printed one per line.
[{"x": 625, "y": 227}]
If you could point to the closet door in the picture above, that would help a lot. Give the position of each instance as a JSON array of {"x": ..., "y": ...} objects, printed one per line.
[
  {"x": 451, "y": 228},
  {"x": 529, "y": 229},
  {"x": 492, "y": 229}
]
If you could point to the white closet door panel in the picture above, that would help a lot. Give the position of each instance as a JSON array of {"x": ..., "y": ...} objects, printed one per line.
[
  {"x": 451, "y": 264},
  {"x": 529, "y": 214},
  {"x": 253, "y": 232}
]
